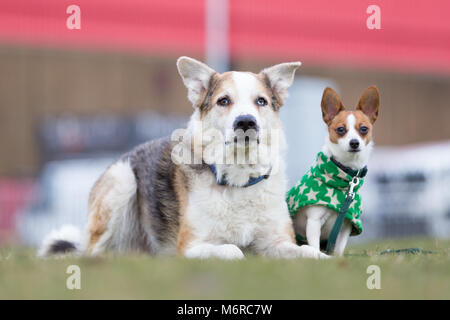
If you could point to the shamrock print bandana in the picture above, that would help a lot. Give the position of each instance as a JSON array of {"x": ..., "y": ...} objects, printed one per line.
[{"x": 326, "y": 184}]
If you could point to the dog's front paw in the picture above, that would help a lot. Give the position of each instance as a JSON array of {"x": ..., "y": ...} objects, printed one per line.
[
  {"x": 206, "y": 251},
  {"x": 290, "y": 250},
  {"x": 229, "y": 252},
  {"x": 306, "y": 251}
]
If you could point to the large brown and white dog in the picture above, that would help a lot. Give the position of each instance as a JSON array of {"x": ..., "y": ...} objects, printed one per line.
[{"x": 201, "y": 206}]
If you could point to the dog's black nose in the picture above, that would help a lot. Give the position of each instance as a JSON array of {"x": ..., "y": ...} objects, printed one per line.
[
  {"x": 245, "y": 123},
  {"x": 354, "y": 144}
]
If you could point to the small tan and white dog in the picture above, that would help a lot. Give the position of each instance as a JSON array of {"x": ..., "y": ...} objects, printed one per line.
[
  {"x": 148, "y": 201},
  {"x": 316, "y": 200}
]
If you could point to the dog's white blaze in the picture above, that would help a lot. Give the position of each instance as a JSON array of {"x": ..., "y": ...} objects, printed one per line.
[
  {"x": 246, "y": 86},
  {"x": 352, "y": 134}
]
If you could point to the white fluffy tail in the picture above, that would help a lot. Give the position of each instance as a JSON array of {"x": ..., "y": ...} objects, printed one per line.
[{"x": 65, "y": 240}]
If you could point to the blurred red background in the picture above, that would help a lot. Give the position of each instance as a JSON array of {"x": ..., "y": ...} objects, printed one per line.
[{"x": 414, "y": 35}]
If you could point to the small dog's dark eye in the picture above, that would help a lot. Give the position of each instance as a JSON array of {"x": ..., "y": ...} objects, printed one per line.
[
  {"x": 261, "y": 102},
  {"x": 341, "y": 131},
  {"x": 363, "y": 130},
  {"x": 225, "y": 101}
]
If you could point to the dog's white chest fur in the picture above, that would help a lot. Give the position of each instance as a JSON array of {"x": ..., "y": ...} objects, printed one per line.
[{"x": 232, "y": 214}]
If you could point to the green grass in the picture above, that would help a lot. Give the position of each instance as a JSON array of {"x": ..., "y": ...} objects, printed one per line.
[{"x": 403, "y": 276}]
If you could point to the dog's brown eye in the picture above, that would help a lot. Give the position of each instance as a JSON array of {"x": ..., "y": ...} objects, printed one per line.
[
  {"x": 225, "y": 101},
  {"x": 261, "y": 102},
  {"x": 363, "y": 130},
  {"x": 341, "y": 131}
]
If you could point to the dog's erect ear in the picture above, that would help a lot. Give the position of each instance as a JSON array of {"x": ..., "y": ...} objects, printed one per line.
[
  {"x": 196, "y": 76},
  {"x": 369, "y": 103},
  {"x": 281, "y": 77},
  {"x": 331, "y": 105}
]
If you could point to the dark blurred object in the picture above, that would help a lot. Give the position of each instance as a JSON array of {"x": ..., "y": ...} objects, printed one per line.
[
  {"x": 80, "y": 137},
  {"x": 66, "y": 137}
]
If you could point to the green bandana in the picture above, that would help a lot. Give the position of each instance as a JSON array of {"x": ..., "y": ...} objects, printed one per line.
[{"x": 326, "y": 184}]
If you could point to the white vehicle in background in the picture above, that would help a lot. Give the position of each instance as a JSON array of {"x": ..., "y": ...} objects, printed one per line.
[
  {"x": 407, "y": 191},
  {"x": 62, "y": 197}
]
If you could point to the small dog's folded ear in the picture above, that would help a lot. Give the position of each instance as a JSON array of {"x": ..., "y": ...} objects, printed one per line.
[
  {"x": 331, "y": 105},
  {"x": 369, "y": 103},
  {"x": 196, "y": 76},
  {"x": 281, "y": 77}
]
